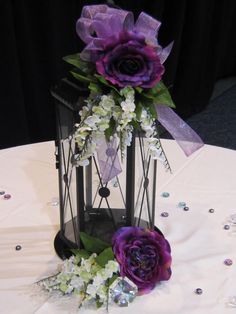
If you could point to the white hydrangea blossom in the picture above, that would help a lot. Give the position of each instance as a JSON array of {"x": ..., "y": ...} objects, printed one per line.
[
  {"x": 83, "y": 278},
  {"x": 95, "y": 120},
  {"x": 148, "y": 126}
]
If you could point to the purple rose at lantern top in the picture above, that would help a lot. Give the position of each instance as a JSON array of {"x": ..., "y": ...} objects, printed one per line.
[
  {"x": 129, "y": 61},
  {"x": 125, "y": 53},
  {"x": 143, "y": 255}
]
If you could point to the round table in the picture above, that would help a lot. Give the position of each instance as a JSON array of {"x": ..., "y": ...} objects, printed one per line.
[{"x": 199, "y": 239}]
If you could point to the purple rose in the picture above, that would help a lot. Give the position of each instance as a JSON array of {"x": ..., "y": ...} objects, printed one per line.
[
  {"x": 143, "y": 255},
  {"x": 128, "y": 60},
  {"x": 125, "y": 52}
]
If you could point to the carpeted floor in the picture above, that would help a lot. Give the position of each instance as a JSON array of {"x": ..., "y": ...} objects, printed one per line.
[{"x": 216, "y": 125}]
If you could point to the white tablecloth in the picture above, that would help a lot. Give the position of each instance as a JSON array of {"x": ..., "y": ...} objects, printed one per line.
[{"x": 199, "y": 242}]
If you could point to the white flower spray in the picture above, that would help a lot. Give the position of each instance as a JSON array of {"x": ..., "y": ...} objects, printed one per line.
[{"x": 96, "y": 120}]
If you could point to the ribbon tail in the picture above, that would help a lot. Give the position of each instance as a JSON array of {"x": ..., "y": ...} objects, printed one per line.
[
  {"x": 108, "y": 160},
  {"x": 184, "y": 135}
]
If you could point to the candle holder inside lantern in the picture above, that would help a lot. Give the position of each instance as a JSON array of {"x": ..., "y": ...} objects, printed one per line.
[{"x": 86, "y": 203}]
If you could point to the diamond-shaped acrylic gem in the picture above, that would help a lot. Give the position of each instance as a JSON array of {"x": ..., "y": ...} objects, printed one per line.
[
  {"x": 232, "y": 219},
  {"x": 123, "y": 291},
  {"x": 181, "y": 204},
  {"x": 231, "y": 302}
]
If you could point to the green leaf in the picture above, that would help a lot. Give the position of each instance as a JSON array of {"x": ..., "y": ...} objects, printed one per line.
[
  {"x": 113, "y": 278},
  {"x": 84, "y": 66},
  {"x": 160, "y": 95},
  {"x": 81, "y": 77},
  {"x": 95, "y": 88},
  {"x": 139, "y": 89},
  {"x": 135, "y": 124},
  {"x": 110, "y": 131},
  {"x": 105, "y": 256},
  {"x": 92, "y": 244},
  {"x": 98, "y": 304},
  {"x": 152, "y": 111},
  {"x": 104, "y": 82},
  {"x": 138, "y": 110},
  {"x": 81, "y": 253}
]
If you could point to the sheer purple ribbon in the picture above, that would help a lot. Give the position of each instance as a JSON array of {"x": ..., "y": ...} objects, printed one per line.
[
  {"x": 184, "y": 135},
  {"x": 99, "y": 22},
  {"x": 108, "y": 160}
]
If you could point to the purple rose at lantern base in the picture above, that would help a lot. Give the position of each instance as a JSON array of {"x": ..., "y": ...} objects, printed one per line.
[{"x": 143, "y": 255}]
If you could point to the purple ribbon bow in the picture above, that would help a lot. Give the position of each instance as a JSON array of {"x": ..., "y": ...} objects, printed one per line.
[{"x": 99, "y": 22}]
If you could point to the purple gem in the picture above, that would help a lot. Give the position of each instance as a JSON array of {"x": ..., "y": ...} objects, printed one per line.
[
  {"x": 198, "y": 291},
  {"x": 228, "y": 262},
  {"x": 7, "y": 196},
  {"x": 2, "y": 192},
  {"x": 164, "y": 214}
]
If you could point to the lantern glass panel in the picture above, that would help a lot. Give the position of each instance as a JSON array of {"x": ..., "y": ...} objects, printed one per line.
[{"x": 87, "y": 204}]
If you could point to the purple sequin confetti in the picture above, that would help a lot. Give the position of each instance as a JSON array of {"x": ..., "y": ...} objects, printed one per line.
[
  {"x": 211, "y": 210},
  {"x": 18, "y": 247},
  {"x": 7, "y": 196},
  {"x": 164, "y": 214},
  {"x": 198, "y": 291},
  {"x": 228, "y": 262}
]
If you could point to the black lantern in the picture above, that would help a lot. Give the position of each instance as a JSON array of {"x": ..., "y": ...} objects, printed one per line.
[{"x": 86, "y": 203}]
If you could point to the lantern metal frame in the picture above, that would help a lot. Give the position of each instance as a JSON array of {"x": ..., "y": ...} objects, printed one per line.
[{"x": 69, "y": 99}]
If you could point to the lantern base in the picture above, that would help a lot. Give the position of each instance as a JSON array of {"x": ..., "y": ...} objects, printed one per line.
[{"x": 63, "y": 246}]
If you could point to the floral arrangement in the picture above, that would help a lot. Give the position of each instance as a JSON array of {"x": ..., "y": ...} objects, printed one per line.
[
  {"x": 138, "y": 259},
  {"x": 122, "y": 67}
]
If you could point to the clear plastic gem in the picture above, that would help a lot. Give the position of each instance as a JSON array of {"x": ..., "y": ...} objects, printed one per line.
[
  {"x": 231, "y": 302},
  {"x": 182, "y": 204},
  {"x": 114, "y": 182},
  {"x": 165, "y": 194},
  {"x": 54, "y": 201},
  {"x": 123, "y": 291},
  {"x": 232, "y": 219}
]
